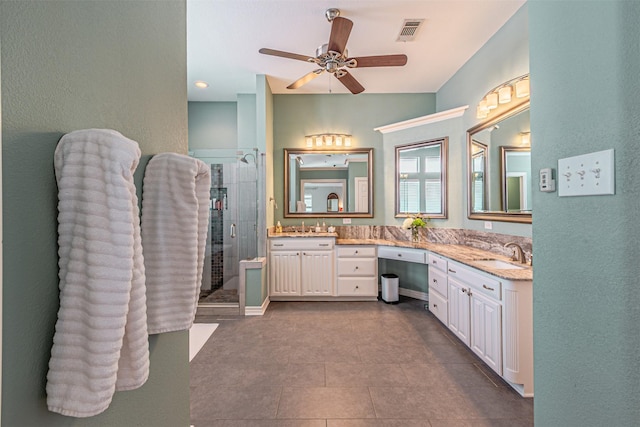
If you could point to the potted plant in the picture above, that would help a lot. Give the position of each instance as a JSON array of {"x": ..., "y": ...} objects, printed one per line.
[{"x": 414, "y": 224}]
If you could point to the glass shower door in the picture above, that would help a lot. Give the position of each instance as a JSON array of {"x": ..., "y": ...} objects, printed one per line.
[{"x": 232, "y": 228}]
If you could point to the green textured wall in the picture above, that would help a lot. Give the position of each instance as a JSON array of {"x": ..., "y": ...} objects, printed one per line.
[
  {"x": 585, "y": 57},
  {"x": 70, "y": 65},
  {"x": 298, "y": 115}
]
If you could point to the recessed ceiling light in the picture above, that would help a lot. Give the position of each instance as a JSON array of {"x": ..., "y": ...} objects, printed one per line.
[{"x": 201, "y": 84}]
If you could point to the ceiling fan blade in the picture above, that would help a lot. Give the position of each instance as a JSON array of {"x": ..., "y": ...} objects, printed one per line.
[
  {"x": 340, "y": 30},
  {"x": 380, "y": 61},
  {"x": 349, "y": 82},
  {"x": 289, "y": 55},
  {"x": 305, "y": 79}
]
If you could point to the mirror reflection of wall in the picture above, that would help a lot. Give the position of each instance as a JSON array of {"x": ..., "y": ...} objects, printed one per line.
[
  {"x": 311, "y": 175},
  {"x": 499, "y": 167},
  {"x": 421, "y": 179}
]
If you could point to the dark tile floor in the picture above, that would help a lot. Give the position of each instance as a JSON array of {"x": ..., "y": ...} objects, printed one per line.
[{"x": 346, "y": 364}]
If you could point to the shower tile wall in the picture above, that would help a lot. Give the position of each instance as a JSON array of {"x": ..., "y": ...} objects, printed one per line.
[
  {"x": 216, "y": 228},
  {"x": 247, "y": 201}
]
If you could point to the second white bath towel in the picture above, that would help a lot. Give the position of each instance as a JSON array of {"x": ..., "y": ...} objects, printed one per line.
[{"x": 175, "y": 217}]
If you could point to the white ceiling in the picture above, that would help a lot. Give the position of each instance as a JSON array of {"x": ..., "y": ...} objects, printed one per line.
[{"x": 224, "y": 36}]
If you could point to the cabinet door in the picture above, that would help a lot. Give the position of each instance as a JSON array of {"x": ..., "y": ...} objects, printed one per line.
[
  {"x": 284, "y": 273},
  {"x": 459, "y": 309},
  {"x": 486, "y": 331},
  {"x": 317, "y": 273}
]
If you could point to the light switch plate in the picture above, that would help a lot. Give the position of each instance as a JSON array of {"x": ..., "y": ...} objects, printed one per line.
[{"x": 589, "y": 174}]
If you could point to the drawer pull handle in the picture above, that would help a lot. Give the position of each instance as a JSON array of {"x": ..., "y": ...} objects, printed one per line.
[
  {"x": 435, "y": 281},
  {"x": 435, "y": 262},
  {"x": 324, "y": 244},
  {"x": 452, "y": 271},
  {"x": 356, "y": 267},
  {"x": 435, "y": 305},
  {"x": 357, "y": 287},
  {"x": 400, "y": 255},
  {"x": 278, "y": 244},
  {"x": 488, "y": 288},
  {"x": 356, "y": 252}
]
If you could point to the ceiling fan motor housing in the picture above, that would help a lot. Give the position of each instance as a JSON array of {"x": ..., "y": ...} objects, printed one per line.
[{"x": 331, "y": 61}]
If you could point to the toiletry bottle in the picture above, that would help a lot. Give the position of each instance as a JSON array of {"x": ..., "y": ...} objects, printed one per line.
[
  {"x": 324, "y": 226},
  {"x": 278, "y": 227},
  {"x": 318, "y": 229}
]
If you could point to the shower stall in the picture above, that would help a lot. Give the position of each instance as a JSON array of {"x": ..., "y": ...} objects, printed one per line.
[{"x": 233, "y": 223}]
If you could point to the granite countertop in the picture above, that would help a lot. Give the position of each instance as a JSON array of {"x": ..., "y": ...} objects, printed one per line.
[
  {"x": 460, "y": 253},
  {"x": 307, "y": 234},
  {"x": 463, "y": 254}
]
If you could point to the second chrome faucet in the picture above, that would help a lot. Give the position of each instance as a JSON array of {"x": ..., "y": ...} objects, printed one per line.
[{"x": 518, "y": 253}]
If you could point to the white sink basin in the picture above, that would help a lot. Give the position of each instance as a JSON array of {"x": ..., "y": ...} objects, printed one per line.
[{"x": 497, "y": 264}]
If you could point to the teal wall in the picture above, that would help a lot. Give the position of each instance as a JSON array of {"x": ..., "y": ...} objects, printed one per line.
[
  {"x": 298, "y": 115},
  {"x": 70, "y": 65},
  {"x": 584, "y": 62},
  {"x": 503, "y": 57},
  {"x": 213, "y": 125},
  {"x": 256, "y": 287},
  {"x": 411, "y": 275}
]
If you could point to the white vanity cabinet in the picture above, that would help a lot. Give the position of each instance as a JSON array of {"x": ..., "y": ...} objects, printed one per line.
[
  {"x": 438, "y": 292},
  {"x": 475, "y": 312},
  {"x": 491, "y": 315},
  {"x": 300, "y": 266},
  {"x": 357, "y": 268}
]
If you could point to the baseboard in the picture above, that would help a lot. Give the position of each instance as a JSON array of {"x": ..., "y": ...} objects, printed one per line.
[
  {"x": 413, "y": 294},
  {"x": 257, "y": 311}
]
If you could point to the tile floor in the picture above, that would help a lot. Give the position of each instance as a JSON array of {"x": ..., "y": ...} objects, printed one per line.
[{"x": 345, "y": 364}]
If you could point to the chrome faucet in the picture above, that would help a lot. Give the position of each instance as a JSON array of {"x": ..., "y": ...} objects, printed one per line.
[{"x": 518, "y": 253}]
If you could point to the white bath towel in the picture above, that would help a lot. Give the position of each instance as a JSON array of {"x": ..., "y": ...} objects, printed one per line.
[
  {"x": 101, "y": 342},
  {"x": 175, "y": 217}
]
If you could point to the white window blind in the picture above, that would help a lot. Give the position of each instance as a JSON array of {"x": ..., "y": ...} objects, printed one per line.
[
  {"x": 410, "y": 196},
  {"x": 433, "y": 199}
]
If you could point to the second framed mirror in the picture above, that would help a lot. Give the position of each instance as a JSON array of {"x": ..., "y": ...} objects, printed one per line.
[{"x": 421, "y": 178}]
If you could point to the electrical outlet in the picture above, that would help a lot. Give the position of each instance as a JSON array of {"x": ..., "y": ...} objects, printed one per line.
[
  {"x": 488, "y": 225},
  {"x": 346, "y": 220}
]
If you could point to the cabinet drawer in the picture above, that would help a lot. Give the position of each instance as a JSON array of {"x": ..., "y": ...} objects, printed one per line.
[
  {"x": 402, "y": 254},
  {"x": 357, "y": 267},
  {"x": 478, "y": 282},
  {"x": 356, "y": 251},
  {"x": 357, "y": 286},
  {"x": 437, "y": 281},
  {"x": 439, "y": 307},
  {"x": 437, "y": 261},
  {"x": 300, "y": 243}
]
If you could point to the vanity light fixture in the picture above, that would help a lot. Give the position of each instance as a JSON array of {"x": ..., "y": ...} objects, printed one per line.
[
  {"x": 328, "y": 140},
  {"x": 525, "y": 139},
  {"x": 504, "y": 93}
]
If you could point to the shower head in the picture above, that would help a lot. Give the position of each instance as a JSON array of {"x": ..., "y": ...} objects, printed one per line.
[{"x": 243, "y": 159}]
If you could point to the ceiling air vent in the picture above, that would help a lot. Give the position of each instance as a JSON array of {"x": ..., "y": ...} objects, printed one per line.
[{"x": 409, "y": 30}]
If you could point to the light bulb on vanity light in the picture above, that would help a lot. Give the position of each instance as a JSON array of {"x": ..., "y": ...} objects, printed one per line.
[
  {"x": 492, "y": 100},
  {"x": 522, "y": 88},
  {"x": 504, "y": 94},
  {"x": 309, "y": 141}
]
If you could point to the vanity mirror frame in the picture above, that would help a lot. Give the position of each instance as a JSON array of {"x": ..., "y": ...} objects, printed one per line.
[
  {"x": 502, "y": 216},
  {"x": 340, "y": 214},
  {"x": 444, "y": 150}
]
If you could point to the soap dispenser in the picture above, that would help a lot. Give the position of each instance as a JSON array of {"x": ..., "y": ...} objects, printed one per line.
[
  {"x": 278, "y": 227},
  {"x": 318, "y": 229}
]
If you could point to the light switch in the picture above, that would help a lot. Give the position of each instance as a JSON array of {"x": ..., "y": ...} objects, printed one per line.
[{"x": 589, "y": 174}]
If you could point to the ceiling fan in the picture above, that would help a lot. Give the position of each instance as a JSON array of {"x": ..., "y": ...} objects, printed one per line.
[{"x": 333, "y": 56}]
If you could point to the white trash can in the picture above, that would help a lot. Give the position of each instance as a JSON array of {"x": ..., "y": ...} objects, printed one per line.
[{"x": 389, "y": 284}]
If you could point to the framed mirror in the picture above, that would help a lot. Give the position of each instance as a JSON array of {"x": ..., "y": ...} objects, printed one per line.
[
  {"x": 499, "y": 167},
  {"x": 421, "y": 178},
  {"x": 326, "y": 183}
]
